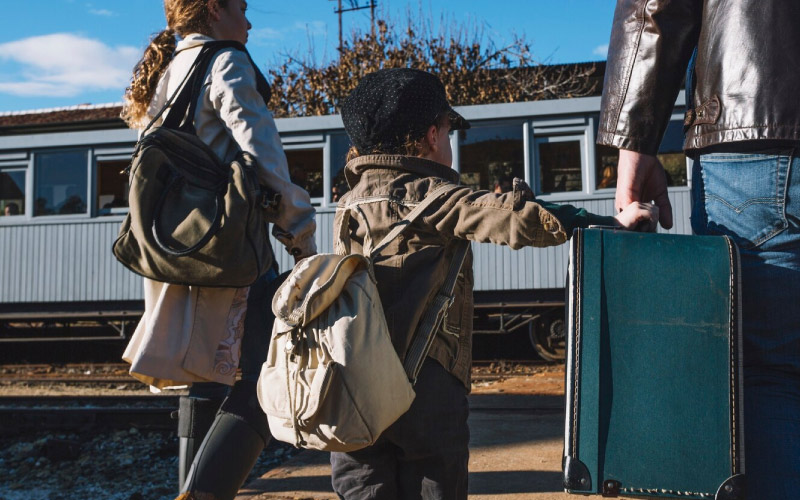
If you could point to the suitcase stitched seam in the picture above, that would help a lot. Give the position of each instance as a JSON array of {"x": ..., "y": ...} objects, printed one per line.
[
  {"x": 731, "y": 342},
  {"x": 578, "y": 307}
]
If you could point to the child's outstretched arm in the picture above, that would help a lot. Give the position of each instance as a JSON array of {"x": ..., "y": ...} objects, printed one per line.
[{"x": 517, "y": 219}]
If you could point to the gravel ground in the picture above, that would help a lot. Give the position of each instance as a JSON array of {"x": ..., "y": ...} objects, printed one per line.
[
  {"x": 114, "y": 465},
  {"x": 142, "y": 465}
]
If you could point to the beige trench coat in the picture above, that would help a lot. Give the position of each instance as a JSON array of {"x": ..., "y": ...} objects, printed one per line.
[{"x": 193, "y": 334}]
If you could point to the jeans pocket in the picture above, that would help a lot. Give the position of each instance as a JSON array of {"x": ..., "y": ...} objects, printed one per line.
[{"x": 745, "y": 196}]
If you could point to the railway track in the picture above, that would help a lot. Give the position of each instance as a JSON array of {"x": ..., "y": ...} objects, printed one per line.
[
  {"x": 110, "y": 373},
  {"x": 94, "y": 373},
  {"x": 494, "y": 370},
  {"x": 22, "y": 413},
  {"x": 80, "y": 412}
]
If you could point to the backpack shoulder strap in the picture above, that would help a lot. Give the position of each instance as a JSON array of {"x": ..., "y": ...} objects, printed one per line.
[
  {"x": 409, "y": 219},
  {"x": 434, "y": 315},
  {"x": 341, "y": 235},
  {"x": 436, "y": 312}
]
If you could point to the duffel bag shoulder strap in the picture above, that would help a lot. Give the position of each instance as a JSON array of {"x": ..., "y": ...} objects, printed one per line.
[{"x": 181, "y": 116}]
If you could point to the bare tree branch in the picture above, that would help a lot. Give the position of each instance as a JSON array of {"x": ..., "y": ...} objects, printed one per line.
[{"x": 472, "y": 70}]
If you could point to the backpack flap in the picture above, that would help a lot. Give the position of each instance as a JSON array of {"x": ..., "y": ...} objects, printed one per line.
[
  {"x": 313, "y": 285},
  {"x": 332, "y": 379}
]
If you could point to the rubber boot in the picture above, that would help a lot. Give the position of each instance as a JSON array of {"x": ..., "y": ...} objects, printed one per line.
[
  {"x": 231, "y": 447},
  {"x": 195, "y": 416}
]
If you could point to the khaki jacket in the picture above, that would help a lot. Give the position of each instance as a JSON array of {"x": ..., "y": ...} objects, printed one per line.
[
  {"x": 385, "y": 188},
  {"x": 193, "y": 334}
]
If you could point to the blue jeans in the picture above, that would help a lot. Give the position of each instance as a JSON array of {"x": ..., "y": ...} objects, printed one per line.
[{"x": 755, "y": 199}]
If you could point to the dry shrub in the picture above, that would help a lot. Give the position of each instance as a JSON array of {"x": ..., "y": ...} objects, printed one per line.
[{"x": 473, "y": 71}]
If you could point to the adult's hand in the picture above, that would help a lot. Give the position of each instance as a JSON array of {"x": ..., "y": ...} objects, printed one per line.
[
  {"x": 641, "y": 178},
  {"x": 638, "y": 217}
]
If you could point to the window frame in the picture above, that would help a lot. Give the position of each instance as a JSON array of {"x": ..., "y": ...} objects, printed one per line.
[
  {"x": 610, "y": 191},
  {"x": 555, "y": 137},
  {"x": 87, "y": 150},
  {"x": 456, "y": 143},
  {"x": 325, "y": 147},
  {"x": 100, "y": 155},
  {"x": 17, "y": 166}
]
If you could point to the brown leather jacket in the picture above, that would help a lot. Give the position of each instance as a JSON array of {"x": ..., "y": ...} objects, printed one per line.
[
  {"x": 746, "y": 79},
  {"x": 413, "y": 267}
]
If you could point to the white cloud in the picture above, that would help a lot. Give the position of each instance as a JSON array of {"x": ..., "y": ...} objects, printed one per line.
[
  {"x": 270, "y": 34},
  {"x": 601, "y": 50},
  {"x": 65, "y": 65},
  {"x": 313, "y": 27},
  {"x": 102, "y": 12},
  {"x": 266, "y": 34}
]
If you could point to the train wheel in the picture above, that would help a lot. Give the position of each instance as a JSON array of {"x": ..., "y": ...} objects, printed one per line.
[{"x": 548, "y": 337}]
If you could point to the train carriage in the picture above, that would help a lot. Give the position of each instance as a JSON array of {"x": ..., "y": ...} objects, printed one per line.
[{"x": 62, "y": 199}]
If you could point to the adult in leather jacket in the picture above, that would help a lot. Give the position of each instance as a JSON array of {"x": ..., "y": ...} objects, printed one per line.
[
  {"x": 745, "y": 81},
  {"x": 743, "y": 132}
]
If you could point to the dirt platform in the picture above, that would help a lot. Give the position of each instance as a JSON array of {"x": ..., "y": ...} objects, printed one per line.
[{"x": 515, "y": 447}]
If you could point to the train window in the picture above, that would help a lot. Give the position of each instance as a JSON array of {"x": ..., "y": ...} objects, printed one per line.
[
  {"x": 670, "y": 153},
  {"x": 12, "y": 192},
  {"x": 112, "y": 186},
  {"x": 491, "y": 156},
  {"x": 559, "y": 164},
  {"x": 606, "y": 161},
  {"x": 305, "y": 169},
  {"x": 60, "y": 183},
  {"x": 340, "y": 145}
]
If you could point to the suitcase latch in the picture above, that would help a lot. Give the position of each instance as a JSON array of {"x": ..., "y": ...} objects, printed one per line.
[{"x": 611, "y": 488}]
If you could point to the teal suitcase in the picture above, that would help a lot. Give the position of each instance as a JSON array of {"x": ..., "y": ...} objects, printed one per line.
[{"x": 653, "y": 396}]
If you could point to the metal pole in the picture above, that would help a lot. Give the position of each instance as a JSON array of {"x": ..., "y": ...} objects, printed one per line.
[
  {"x": 372, "y": 17},
  {"x": 340, "y": 28}
]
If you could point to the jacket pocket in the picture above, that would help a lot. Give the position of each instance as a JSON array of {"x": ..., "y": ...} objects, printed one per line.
[
  {"x": 454, "y": 320},
  {"x": 744, "y": 196}
]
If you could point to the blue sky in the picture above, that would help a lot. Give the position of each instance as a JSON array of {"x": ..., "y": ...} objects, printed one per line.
[{"x": 57, "y": 53}]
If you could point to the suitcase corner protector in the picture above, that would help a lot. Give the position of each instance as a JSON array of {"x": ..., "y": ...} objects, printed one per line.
[
  {"x": 732, "y": 489},
  {"x": 576, "y": 475}
]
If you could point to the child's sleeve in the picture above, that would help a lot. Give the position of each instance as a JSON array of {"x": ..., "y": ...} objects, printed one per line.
[{"x": 514, "y": 219}]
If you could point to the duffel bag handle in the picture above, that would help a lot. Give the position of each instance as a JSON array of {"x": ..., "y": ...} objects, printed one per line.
[{"x": 219, "y": 204}]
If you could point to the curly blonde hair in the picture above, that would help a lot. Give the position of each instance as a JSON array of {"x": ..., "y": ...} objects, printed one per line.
[{"x": 183, "y": 18}]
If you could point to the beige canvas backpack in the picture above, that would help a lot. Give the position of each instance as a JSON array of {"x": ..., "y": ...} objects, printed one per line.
[{"x": 332, "y": 380}]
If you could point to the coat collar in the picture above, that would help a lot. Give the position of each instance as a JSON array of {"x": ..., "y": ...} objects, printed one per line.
[{"x": 356, "y": 167}]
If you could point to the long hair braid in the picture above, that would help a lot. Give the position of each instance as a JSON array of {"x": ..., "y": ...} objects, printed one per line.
[
  {"x": 184, "y": 17},
  {"x": 146, "y": 75}
]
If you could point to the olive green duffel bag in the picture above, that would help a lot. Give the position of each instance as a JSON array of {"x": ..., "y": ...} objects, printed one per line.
[{"x": 193, "y": 219}]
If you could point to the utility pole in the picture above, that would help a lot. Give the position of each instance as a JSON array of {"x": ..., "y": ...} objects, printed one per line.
[{"x": 354, "y": 6}]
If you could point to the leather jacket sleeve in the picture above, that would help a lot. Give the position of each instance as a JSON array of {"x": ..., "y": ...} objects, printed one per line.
[{"x": 651, "y": 44}]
